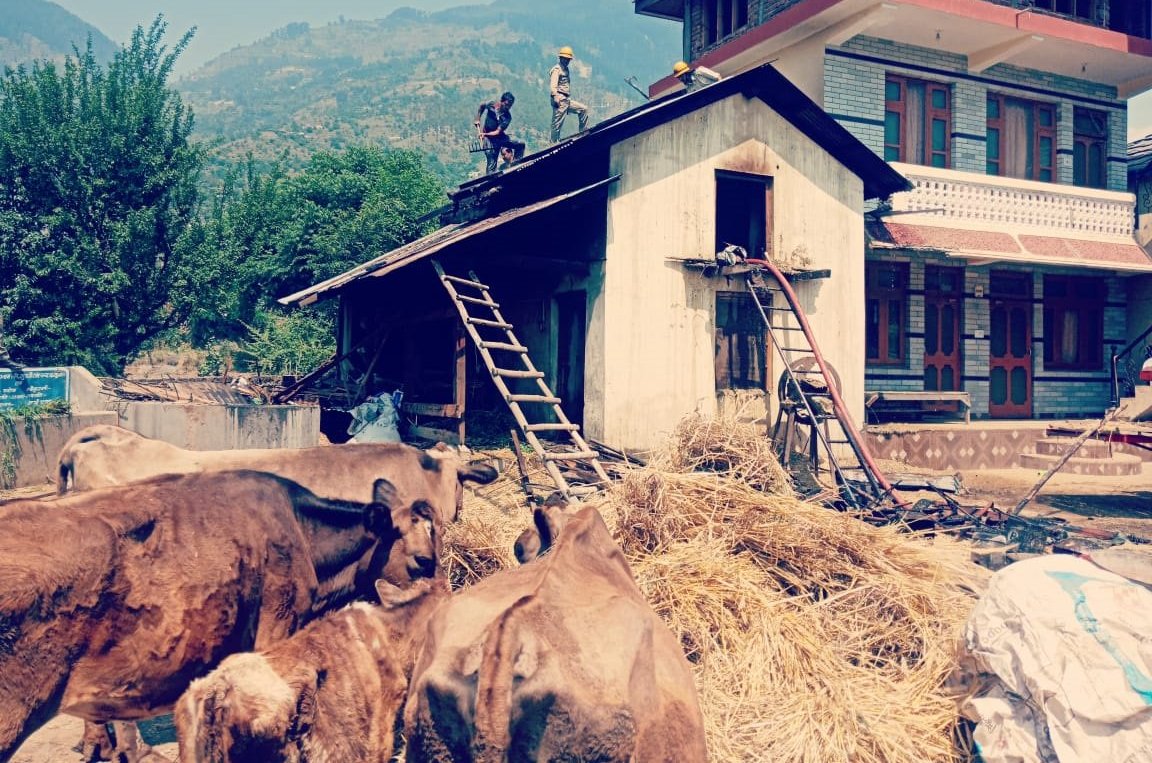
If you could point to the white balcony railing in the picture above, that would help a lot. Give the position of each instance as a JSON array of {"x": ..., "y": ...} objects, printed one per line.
[{"x": 970, "y": 199}]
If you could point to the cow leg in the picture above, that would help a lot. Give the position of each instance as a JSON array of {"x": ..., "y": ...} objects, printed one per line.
[
  {"x": 130, "y": 748},
  {"x": 96, "y": 744}
]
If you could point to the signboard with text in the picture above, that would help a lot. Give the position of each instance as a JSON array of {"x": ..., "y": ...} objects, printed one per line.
[{"x": 32, "y": 386}]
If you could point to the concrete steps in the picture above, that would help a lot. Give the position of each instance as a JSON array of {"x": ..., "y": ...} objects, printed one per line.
[
  {"x": 1138, "y": 407},
  {"x": 1118, "y": 465},
  {"x": 1058, "y": 446}
]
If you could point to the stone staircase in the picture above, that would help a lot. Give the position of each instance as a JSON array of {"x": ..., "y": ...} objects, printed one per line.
[
  {"x": 1138, "y": 407},
  {"x": 1095, "y": 458}
]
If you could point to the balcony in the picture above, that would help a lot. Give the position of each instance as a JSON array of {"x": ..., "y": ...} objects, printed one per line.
[
  {"x": 1124, "y": 16},
  {"x": 970, "y": 199}
]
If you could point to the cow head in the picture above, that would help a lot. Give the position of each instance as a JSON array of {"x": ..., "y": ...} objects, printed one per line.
[
  {"x": 547, "y": 523},
  {"x": 415, "y": 529},
  {"x": 444, "y": 462}
]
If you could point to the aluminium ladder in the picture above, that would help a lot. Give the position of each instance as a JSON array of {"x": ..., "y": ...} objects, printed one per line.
[
  {"x": 796, "y": 347},
  {"x": 479, "y": 298}
]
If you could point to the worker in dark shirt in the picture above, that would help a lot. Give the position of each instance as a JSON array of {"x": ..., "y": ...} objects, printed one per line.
[{"x": 492, "y": 120}]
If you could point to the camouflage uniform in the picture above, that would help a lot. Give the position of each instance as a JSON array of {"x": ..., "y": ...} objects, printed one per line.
[{"x": 560, "y": 86}]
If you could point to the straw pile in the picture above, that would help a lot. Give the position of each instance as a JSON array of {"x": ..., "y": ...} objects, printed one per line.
[{"x": 814, "y": 636}]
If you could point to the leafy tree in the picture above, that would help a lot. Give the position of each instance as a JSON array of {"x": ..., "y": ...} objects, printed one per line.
[
  {"x": 281, "y": 233},
  {"x": 100, "y": 248}
]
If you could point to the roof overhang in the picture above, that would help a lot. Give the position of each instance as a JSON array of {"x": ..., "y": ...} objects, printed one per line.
[
  {"x": 984, "y": 247},
  {"x": 673, "y": 10},
  {"x": 434, "y": 243},
  {"x": 986, "y": 33}
]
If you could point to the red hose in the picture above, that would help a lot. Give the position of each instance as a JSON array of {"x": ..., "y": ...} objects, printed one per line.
[{"x": 837, "y": 401}]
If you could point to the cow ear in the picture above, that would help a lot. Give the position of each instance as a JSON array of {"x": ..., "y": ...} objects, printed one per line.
[
  {"x": 384, "y": 492},
  {"x": 549, "y": 521},
  {"x": 424, "y": 510},
  {"x": 481, "y": 472},
  {"x": 378, "y": 520}
]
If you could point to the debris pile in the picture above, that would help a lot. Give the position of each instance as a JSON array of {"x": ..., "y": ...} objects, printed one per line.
[{"x": 813, "y": 635}]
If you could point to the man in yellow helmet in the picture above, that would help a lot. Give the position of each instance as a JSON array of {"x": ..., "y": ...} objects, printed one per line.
[
  {"x": 560, "y": 84},
  {"x": 694, "y": 79}
]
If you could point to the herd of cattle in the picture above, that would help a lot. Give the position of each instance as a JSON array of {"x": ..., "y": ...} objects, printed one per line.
[{"x": 214, "y": 585}]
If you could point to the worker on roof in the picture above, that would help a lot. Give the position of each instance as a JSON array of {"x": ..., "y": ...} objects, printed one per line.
[
  {"x": 492, "y": 120},
  {"x": 560, "y": 86},
  {"x": 694, "y": 79}
]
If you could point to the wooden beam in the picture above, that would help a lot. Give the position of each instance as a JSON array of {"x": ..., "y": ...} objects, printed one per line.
[
  {"x": 845, "y": 29},
  {"x": 443, "y": 410},
  {"x": 460, "y": 374},
  {"x": 435, "y": 435},
  {"x": 988, "y": 57}
]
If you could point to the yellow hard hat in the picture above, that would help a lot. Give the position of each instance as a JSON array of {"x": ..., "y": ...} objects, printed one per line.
[
  {"x": 679, "y": 68},
  {"x": 565, "y": 52}
]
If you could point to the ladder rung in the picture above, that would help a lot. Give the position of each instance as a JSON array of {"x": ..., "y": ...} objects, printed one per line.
[
  {"x": 504, "y": 346},
  {"x": 511, "y": 374},
  {"x": 577, "y": 455},
  {"x": 786, "y": 328},
  {"x": 477, "y": 301},
  {"x": 486, "y": 322},
  {"x": 583, "y": 489},
  {"x": 465, "y": 281},
  {"x": 550, "y": 427},
  {"x": 796, "y": 349},
  {"x": 534, "y": 399}
]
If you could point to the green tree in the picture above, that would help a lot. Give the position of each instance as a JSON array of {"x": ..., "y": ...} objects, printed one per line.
[
  {"x": 283, "y": 232},
  {"x": 100, "y": 247}
]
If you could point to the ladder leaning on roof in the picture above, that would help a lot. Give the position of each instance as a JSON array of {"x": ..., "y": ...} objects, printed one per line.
[
  {"x": 796, "y": 346},
  {"x": 509, "y": 345}
]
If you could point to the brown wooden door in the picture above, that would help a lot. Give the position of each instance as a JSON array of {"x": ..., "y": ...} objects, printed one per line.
[
  {"x": 1010, "y": 359},
  {"x": 942, "y": 318}
]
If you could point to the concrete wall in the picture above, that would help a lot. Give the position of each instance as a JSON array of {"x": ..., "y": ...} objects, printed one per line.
[
  {"x": 223, "y": 427},
  {"x": 652, "y": 333},
  {"x": 30, "y": 448}
]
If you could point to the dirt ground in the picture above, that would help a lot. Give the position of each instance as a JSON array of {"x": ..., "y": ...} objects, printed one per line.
[{"x": 1114, "y": 504}]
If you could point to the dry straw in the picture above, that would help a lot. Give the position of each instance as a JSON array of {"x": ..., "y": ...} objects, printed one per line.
[{"x": 814, "y": 636}]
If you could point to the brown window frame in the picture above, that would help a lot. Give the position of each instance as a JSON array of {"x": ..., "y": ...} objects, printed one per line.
[
  {"x": 995, "y": 165},
  {"x": 1087, "y": 137},
  {"x": 740, "y": 334},
  {"x": 1083, "y": 296},
  {"x": 897, "y": 150},
  {"x": 723, "y": 18},
  {"x": 883, "y": 297}
]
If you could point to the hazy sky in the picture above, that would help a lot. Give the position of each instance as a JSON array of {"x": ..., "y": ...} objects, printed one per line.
[{"x": 224, "y": 24}]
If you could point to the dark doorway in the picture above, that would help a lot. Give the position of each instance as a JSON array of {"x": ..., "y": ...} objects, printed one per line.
[
  {"x": 571, "y": 331},
  {"x": 1010, "y": 356}
]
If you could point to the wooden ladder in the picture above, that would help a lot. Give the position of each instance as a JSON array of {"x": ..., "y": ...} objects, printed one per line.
[{"x": 508, "y": 345}]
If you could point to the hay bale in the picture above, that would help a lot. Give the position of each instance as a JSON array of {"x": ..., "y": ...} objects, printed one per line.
[{"x": 813, "y": 636}]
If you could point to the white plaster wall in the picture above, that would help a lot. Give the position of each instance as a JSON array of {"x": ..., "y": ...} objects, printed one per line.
[{"x": 651, "y": 331}]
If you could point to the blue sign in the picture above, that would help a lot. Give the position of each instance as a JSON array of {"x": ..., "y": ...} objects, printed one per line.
[{"x": 32, "y": 386}]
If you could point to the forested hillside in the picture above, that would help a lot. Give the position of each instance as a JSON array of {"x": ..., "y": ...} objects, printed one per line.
[
  {"x": 37, "y": 29},
  {"x": 414, "y": 79}
]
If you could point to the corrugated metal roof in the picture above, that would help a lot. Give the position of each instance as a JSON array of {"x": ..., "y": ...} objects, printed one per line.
[
  {"x": 1140, "y": 154},
  {"x": 429, "y": 245},
  {"x": 763, "y": 82}
]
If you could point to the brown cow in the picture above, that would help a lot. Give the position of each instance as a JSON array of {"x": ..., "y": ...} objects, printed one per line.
[
  {"x": 561, "y": 659},
  {"x": 104, "y": 455},
  {"x": 112, "y": 601},
  {"x": 331, "y": 692}
]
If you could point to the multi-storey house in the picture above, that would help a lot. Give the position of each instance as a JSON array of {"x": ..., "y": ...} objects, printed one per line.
[{"x": 1007, "y": 270}]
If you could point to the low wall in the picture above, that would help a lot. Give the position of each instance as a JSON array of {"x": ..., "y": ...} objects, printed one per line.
[
  {"x": 29, "y": 449},
  {"x": 223, "y": 427},
  {"x": 955, "y": 448}
]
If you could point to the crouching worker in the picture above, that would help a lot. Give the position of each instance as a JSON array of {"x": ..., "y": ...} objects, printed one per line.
[{"x": 492, "y": 120}]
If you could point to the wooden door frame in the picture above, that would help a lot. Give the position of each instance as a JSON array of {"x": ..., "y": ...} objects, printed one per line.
[{"x": 1008, "y": 410}]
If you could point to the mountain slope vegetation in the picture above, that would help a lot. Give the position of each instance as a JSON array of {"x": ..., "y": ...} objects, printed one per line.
[
  {"x": 414, "y": 79},
  {"x": 38, "y": 29}
]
